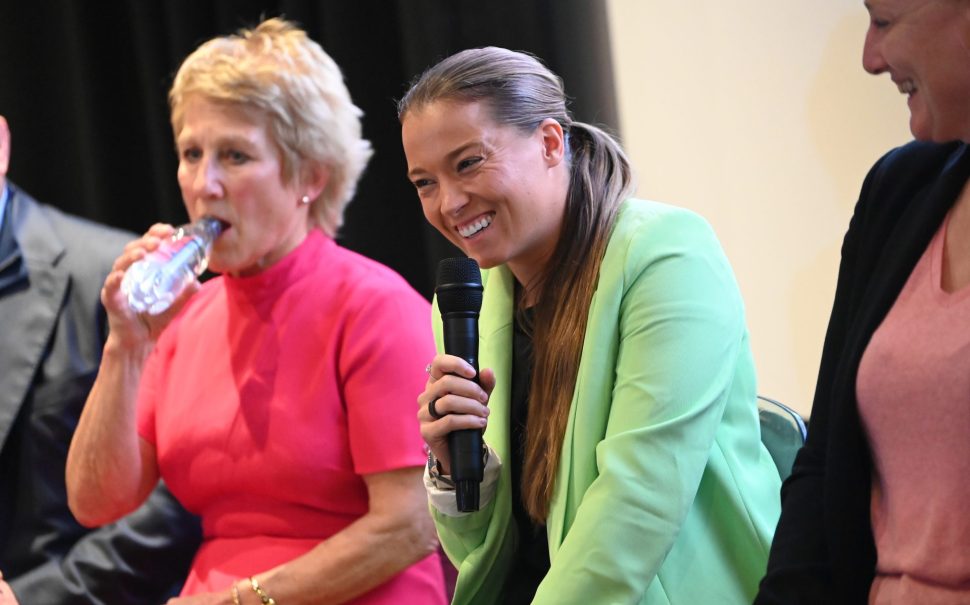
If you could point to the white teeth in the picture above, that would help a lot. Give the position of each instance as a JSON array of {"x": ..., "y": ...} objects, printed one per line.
[
  {"x": 906, "y": 87},
  {"x": 473, "y": 228}
]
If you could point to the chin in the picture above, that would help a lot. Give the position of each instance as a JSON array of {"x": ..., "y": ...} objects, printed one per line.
[
  {"x": 218, "y": 264},
  {"x": 927, "y": 135},
  {"x": 921, "y": 133},
  {"x": 924, "y": 128},
  {"x": 484, "y": 262}
]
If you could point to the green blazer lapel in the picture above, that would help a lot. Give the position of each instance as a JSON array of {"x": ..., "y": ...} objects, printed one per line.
[
  {"x": 580, "y": 427},
  {"x": 590, "y": 406},
  {"x": 495, "y": 352}
]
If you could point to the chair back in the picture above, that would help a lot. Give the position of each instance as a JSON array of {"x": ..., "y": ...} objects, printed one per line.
[{"x": 783, "y": 431}]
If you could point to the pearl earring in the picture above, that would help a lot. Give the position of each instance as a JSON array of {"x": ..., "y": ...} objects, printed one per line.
[{"x": 305, "y": 199}]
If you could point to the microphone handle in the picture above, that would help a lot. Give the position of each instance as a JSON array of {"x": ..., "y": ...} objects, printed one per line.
[{"x": 465, "y": 446}]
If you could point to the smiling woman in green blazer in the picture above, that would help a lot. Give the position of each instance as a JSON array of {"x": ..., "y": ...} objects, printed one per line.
[{"x": 617, "y": 386}]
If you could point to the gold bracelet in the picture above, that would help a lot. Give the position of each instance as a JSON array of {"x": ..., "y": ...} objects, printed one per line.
[
  {"x": 266, "y": 599},
  {"x": 235, "y": 594}
]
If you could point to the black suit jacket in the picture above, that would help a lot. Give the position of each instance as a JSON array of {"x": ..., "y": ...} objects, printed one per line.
[
  {"x": 823, "y": 551},
  {"x": 53, "y": 329}
]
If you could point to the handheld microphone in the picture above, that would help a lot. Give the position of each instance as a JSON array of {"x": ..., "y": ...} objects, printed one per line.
[{"x": 459, "y": 292}]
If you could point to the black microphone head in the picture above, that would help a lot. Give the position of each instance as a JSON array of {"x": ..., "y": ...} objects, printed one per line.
[{"x": 459, "y": 286}]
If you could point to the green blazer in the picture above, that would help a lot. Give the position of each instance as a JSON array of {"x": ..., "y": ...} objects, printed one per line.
[{"x": 665, "y": 493}]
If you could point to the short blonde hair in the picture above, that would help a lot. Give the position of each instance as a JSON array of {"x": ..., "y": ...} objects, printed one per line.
[{"x": 278, "y": 70}]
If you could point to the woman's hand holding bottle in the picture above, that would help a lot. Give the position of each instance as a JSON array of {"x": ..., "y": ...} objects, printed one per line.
[{"x": 129, "y": 328}]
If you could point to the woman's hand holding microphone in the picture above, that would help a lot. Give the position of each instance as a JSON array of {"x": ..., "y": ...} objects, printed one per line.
[{"x": 452, "y": 401}]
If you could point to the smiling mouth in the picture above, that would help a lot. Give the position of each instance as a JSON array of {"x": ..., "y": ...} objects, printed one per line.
[
  {"x": 476, "y": 226},
  {"x": 906, "y": 87}
]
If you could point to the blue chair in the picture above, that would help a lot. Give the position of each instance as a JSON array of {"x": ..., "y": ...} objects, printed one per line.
[{"x": 783, "y": 431}]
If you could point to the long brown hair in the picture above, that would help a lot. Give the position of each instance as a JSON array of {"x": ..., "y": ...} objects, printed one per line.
[{"x": 521, "y": 92}]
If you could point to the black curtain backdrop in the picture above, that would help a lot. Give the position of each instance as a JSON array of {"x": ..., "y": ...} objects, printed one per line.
[{"x": 83, "y": 85}]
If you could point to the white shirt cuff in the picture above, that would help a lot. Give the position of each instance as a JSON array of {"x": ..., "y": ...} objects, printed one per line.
[{"x": 443, "y": 498}]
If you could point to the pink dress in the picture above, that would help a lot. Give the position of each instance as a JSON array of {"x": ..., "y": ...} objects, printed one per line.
[
  {"x": 270, "y": 396},
  {"x": 913, "y": 389}
]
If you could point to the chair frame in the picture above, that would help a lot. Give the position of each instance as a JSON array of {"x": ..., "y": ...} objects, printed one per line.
[{"x": 795, "y": 416}]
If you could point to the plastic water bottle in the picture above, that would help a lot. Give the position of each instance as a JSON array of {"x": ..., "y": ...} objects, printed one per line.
[{"x": 152, "y": 283}]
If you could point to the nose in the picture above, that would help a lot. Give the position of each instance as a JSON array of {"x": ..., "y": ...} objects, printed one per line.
[
  {"x": 453, "y": 198},
  {"x": 872, "y": 59},
  {"x": 207, "y": 182}
]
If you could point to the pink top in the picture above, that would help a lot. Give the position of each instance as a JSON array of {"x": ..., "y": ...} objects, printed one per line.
[
  {"x": 268, "y": 398},
  {"x": 913, "y": 389}
]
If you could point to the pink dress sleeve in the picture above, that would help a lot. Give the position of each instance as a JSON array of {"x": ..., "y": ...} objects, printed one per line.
[{"x": 388, "y": 343}]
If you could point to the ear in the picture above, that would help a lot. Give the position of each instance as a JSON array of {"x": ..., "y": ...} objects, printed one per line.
[
  {"x": 4, "y": 148},
  {"x": 553, "y": 142},
  {"x": 315, "y": 180}
]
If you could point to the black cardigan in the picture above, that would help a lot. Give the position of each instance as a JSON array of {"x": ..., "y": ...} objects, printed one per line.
[{"x": 823, "y": 550}]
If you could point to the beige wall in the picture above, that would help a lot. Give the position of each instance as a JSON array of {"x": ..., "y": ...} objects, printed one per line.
[{"x": 757, "y": 114}]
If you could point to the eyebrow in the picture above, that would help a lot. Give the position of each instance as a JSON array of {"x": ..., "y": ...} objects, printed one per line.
[
  {"x": 450, "y": 156},
  {"x": 230, "y": 140}
]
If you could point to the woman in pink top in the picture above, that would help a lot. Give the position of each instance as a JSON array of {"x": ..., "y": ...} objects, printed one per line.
[
  {"x": 875, "y": 509},
  {"x": 277, "y": 399}
]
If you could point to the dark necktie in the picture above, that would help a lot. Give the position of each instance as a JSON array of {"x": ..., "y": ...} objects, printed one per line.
[{"x": 13, "y": 270}]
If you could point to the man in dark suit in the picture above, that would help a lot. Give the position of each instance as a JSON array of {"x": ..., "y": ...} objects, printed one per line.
[{"x": 52, "y": 330}]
